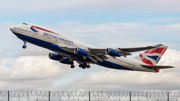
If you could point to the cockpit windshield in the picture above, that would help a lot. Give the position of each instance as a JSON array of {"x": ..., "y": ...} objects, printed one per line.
[{"x": 25, "y": 24}]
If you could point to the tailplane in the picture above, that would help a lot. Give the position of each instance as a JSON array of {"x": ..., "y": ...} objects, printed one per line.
[{"x": 152, "y": 56}]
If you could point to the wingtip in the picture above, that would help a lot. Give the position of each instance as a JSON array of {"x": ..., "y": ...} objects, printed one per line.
[
  {"x": 158, "y": 45},
  {"x": 172, "y": 67}
]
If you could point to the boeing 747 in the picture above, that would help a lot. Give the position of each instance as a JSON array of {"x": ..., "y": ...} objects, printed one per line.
[{"x": 66, "y": 50}]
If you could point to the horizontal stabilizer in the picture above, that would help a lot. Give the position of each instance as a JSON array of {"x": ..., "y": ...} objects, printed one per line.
[{"x": 156, "y": 67}]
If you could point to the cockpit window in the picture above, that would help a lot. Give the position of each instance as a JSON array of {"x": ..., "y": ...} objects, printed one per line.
[{"x": 25, "y": 24}]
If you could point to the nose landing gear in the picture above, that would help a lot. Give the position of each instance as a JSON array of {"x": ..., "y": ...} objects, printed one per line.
[{"x": 24, "y": 46}]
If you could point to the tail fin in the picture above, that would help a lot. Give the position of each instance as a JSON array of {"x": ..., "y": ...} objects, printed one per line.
[{"x": 152, "y": 56}]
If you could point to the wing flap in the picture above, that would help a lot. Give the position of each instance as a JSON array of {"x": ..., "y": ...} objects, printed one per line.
[
  {"x": 157, "y": 67},
  {"x": 99, "y": 51}
]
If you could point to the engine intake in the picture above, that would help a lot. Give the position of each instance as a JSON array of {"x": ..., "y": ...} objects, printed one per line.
[
  {"x": 80, "y": 51},
  {"x": 112, "y": 52}
]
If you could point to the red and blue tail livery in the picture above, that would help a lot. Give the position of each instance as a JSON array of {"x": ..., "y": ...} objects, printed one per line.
[
  {"x": 152, "y": 56},
  {"x": 67, "y": 50}
]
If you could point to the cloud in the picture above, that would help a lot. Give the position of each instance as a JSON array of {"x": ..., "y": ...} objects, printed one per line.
[
  {"x": 93, "y": 5},
  {"x": 31, "y": 71},
  {"x": 33, "y": 50},
  {"x": 39, "y": 72},
  {"x": 171, "y": 57},
  {"x": 109, "y": 79},
  {"x": 120, "y": 34}
]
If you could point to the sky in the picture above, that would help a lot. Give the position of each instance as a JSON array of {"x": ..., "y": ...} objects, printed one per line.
[{"x": 102, "y": 23}]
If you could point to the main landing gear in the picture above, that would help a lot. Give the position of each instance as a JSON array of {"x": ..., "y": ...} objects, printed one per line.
[
  {"x": 84, "y": 66},
  {"x": 24, "y": 46}
]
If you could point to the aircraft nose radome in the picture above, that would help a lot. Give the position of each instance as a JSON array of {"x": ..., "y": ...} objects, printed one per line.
[{"x": 11, "y": 28}]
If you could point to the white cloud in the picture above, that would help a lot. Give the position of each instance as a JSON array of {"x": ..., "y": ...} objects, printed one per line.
[
  {"x": 120, "y": 34},
  {"x": 32, "y": 71},
  {"x": 39, "y": 72},
  {"x": 161, "y": 20},
  {"x": 7, "y": 38},
  {"x": 129, "y": 80},
  {"x": 171, "y": 57},
  {"x": 91, "y": 5}
]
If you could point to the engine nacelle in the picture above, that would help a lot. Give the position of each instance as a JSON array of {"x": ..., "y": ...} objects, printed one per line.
[
  {"x": 112, "y": 52},
  {"x": 80, "y": 51},
  {"x": 54, "y": 56},
  {"x": 65, "y": 60}
]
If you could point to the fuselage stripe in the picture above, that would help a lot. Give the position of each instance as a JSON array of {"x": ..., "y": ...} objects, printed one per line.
[{"x": 42, "y": 29}]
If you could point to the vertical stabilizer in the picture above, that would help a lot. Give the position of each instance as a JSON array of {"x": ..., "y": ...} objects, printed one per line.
[{"x": 152, "y": 56}]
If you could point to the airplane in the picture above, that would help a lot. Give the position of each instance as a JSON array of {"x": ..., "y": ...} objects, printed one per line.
[{"x": 67, "y": 50}]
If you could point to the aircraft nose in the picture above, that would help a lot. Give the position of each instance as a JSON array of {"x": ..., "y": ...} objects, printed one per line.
[{"x": 11, "y": 28}]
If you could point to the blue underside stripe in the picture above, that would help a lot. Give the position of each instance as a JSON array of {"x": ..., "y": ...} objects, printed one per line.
[
  {"x": 55, "y": 47},
  {"x": 112, "y": 65}
]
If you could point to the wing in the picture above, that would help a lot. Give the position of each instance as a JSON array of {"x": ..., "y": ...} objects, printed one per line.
[
  {"x": 83, "y": 51},
  {"x": 120, "y": 51},
  {"x": 99, "y": 54},
  {"x": 96, "y": 54}
]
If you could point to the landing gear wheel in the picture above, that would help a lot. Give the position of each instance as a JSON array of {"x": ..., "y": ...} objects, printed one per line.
[
  {"x": 72, "y": 66},
  {"x": 88, "y": 66},
  {"x": 81, "y": 65},
  {"x": 84, "y": 66},
  {"x": 24, "y": 46}
]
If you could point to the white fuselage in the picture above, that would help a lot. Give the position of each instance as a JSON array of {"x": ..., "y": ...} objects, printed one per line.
[{"x": 45, "y": 38}]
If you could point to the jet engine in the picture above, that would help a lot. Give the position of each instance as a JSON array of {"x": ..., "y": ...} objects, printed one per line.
[
  {"x": 80, "y": 51},
  {"x": 54, "y": 56},
  {"x": 63, "y": 60},
  {"x": 112, "y": 52}
]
